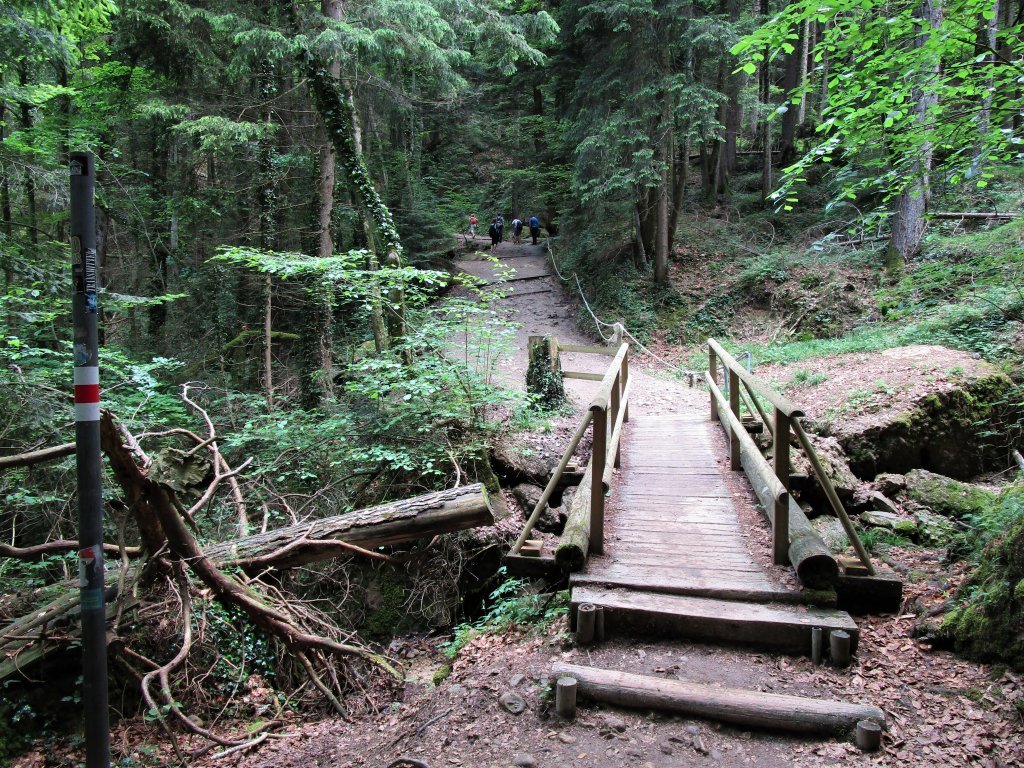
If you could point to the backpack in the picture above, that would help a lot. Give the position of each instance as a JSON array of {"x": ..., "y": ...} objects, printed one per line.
[{"x": 534, "y": 224}]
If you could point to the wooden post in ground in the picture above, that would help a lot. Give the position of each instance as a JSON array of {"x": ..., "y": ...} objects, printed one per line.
[
  {"x": 713, "y": 371},
  {"x": 586, "y": 623},
  {"x": 597, "y": 462},
  {"x": 556, "y": 364},
  {"x": 817, "y": 636},
  {"x": 565, "y": 697},
  {"x": 780, "y": 527},
  {"x": 734, "y": 406},
  {"x": 868, "y": 737},
  {"x": 839, "y": 645}
]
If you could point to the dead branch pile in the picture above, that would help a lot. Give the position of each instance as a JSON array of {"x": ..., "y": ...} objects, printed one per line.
[{"x": 167, "y": 583}]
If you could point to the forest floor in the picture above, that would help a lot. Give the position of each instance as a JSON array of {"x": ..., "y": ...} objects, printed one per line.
[{"x": 494, "y": 709}]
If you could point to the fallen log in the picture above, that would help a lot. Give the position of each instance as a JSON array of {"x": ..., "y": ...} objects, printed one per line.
[
  {"x": 983, "y": 215},
  {"x": 731, "y": 705},
  {"x": 37, "y": 457},
  {"x": 393, "y": 523}
]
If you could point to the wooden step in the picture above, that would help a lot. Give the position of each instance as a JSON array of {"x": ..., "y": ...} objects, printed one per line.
[
  {"x": 708, "y": 584},
  {"x": 785, "y": 628},
  {"x": 731, "y": 705}
]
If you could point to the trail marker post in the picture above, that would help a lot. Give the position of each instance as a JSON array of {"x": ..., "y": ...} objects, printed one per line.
[{"x": 85, "y": 311}]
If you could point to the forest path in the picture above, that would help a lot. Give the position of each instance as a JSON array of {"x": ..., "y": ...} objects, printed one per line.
[{"x": 535, "y": 301}]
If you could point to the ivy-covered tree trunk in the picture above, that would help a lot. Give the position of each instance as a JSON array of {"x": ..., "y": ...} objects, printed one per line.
[{"x": 336, "y": 108}]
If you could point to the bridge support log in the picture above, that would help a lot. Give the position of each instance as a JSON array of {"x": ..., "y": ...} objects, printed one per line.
[
  {"x": 731, "y": 705},
  {"x": 813, "y": 561},
  {"x": 574, "y": 543}
]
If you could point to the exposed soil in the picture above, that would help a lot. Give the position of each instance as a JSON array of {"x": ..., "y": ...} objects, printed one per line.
[{"x": 866, "y": 389}]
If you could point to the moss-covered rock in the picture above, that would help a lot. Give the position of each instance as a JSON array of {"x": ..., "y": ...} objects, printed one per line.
[
  {"x": 932, "y": 529},
  {"x": 988, "y": 623},
  {"x": 948, "y": 497}
]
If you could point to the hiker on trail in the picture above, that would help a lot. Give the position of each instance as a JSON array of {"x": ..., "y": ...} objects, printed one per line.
[
  {"x": 500, "y": 221},
  {"x": 495, "y": 233},
  {"x": 534, "y": 229},
  {"x": 517, "y": 231},
  {"x": 472, "y": 225}
]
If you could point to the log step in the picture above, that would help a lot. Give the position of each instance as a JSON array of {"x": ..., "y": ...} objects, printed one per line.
[
  {"x": 731, "y": 705},
  {"x": 785, "y": 628}
]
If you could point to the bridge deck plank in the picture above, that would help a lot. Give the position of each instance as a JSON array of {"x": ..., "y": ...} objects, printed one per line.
[{"x": 671, "y": 520}]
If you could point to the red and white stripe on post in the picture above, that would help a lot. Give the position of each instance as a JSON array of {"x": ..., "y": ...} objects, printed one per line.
[{"x": 87, "y": 393}]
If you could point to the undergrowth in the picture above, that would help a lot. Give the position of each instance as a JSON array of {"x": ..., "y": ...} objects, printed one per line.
[{"x": 511, "y": 604}]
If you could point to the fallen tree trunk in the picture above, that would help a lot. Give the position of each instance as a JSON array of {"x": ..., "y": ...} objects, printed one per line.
[
  {"x": 731, "y": 705},
  {"x": 1005, "y": 215},
  {"x": 294, "y": 545},
  {"x": 37, "y": 457}
]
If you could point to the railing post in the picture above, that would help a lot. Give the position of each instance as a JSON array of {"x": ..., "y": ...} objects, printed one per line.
[
  {"x": 780, "y": 543},
  {"x": 597, "y": 461},
  {"x": 713, "y": 370},
  {"x": 614, "y": 415},
  {"x": 734, "y": 406},
  {"x": 624, "y": 380}
]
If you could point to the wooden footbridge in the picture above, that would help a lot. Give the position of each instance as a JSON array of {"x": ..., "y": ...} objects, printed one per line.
[{"x": 655, "y": 543}]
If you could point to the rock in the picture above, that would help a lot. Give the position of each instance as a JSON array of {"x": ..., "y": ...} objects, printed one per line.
[
  {"x": 836, "y": 467},
  {"x": 897, "y": 523},
  {"x": 889, "y": 484},
  {"x": 699, "y": 745},
  {"x": 693, "y": 729},
  {"x": 553, "y": 520},
  {"x": 518, "y": 463},
  {"x": 831, "y": 532},
  {"x": 528, "y": 495},
  {"x": 932, "y": 528},
  {"x": 929, "y": 410},
  {"x": 512, "y": 702},
  {"x": 882, "y": 502},
  {"x": 613, "y": 723},
  {"x": 565, "y": 738},
  {"x": 524, "y": 760},
  {"x": 516, "y": 679},
  {"x": 666, "y": 748},
  {"x": 946, "y": 496}
]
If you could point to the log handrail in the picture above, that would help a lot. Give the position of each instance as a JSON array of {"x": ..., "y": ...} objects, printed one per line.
[
  {"x": 608, "y": 410},
  {"x": 788, "y": 419},
  {"x": 754, "y": 384}
]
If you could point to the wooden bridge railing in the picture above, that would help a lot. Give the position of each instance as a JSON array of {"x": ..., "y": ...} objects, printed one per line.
[
  {"x": 584, "y": 528},
  {"x": 793, "y": 538}
]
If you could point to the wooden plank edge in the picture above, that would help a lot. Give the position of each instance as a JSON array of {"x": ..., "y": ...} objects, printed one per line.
[{"x": 532, "y": 567}]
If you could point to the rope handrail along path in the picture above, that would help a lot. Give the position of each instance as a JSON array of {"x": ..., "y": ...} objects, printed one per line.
[{"x": 599, "y": 323}]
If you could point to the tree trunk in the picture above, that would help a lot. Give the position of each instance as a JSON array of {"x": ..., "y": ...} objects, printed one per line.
[
  {"x": 6, "y": 262},
  {"x": 764, "y": 115},
  {"x": 805, "y": 50},
  {"x": 639, "y": 251},
  {"x": 407, "y": 520},
  {"x": 790, "y": 81},
  {"x": 664, "y": 190},
  {"x": 680, "y": 176},
  {"x": 908, "y": 222},
  {"x": 30, "y": 181}
]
